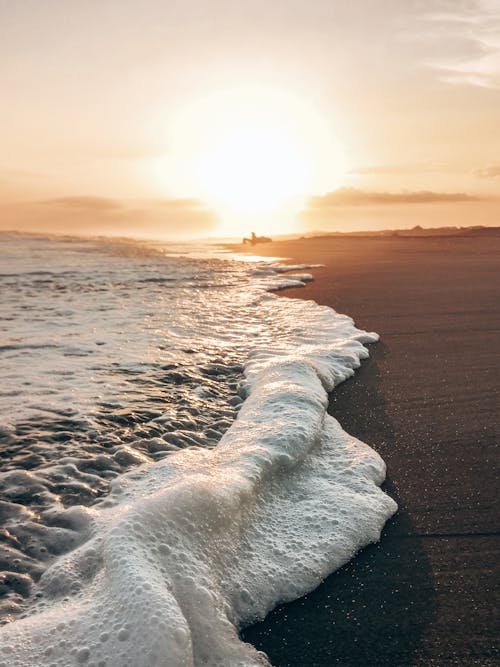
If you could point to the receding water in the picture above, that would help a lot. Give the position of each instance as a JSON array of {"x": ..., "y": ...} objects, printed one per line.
[{"x": 168, "y": 469}]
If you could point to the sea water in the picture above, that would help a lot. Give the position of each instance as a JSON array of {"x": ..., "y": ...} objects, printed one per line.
[{"x": 169, "y": 472}]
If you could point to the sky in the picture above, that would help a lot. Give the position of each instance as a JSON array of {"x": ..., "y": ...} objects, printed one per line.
[{"x": 166, "y": 117}]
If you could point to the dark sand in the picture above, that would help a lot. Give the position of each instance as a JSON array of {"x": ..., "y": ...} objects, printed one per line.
[{"x": 427, "y": 400}]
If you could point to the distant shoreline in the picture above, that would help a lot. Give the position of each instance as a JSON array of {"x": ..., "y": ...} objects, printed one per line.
[{"x": 414, "y": 232}]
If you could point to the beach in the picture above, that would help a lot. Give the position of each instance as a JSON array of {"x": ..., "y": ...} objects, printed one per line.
[
  {"x": 427, "y": 400},
  {"x": 169, "y": 472},
  {"x": 249, "y": 333}
]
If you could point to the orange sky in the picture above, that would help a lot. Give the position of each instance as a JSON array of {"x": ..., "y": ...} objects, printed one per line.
[{"x": 160, "y": 116}]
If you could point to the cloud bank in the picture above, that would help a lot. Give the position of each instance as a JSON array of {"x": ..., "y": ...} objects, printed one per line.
[
  {"x": 88, "y": 214},
  {"x": 352, "y": 209},
  {"x": 397, "y": 169},
  {"x": 83, "y": 204},
  {"x": 354, "y": 197}
]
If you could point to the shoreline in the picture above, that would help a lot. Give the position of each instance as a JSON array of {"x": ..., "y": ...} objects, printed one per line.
[
  {"x": 426, "y": 401},
  {"x": 203, "y": 535}
]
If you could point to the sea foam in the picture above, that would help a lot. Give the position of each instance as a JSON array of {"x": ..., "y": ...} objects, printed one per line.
[{"x": 186, "y": 550}]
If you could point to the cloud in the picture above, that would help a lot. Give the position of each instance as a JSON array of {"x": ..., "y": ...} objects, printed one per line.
[
  {"x": 491, "y": 171},
  {"x": 84, "y": 203},
  {"x": 474, "y": 29},
  {"x": 354, "y": 197},
  {"x": 351, "y": 209},
  {"x": 88, "y": 214},
  {"x": 395, "y": 169}
]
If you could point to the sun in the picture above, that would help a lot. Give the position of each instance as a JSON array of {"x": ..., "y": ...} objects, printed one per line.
[
  {"x": 253, "y": 155},
  {"x": 252, "y": 169}
]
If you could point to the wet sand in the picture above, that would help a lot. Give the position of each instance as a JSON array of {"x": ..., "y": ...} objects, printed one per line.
[{"x": 428, "y": 401}]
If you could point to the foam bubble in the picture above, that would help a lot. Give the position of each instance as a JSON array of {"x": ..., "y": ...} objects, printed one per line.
[{"x": 186, "y": 551}]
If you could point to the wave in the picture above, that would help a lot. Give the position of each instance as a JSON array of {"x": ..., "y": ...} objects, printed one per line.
[{"x": 185, "y": 552}]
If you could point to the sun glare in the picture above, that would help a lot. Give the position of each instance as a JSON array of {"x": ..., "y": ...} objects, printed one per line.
[
  {"x": 252, "y": 169},
  {"x": 251, "y": 153}
]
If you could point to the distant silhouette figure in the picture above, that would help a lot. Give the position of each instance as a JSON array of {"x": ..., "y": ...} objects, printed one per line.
[{"x": 256, "y": 239}]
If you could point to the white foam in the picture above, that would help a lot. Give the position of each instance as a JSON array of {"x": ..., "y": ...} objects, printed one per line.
[
  {"x": 184, "y": 552},
  {"x": 283, "y": 268}
]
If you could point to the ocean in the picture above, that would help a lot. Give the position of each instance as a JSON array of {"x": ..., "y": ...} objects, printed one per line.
[{"x": 168, "y": 469}]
